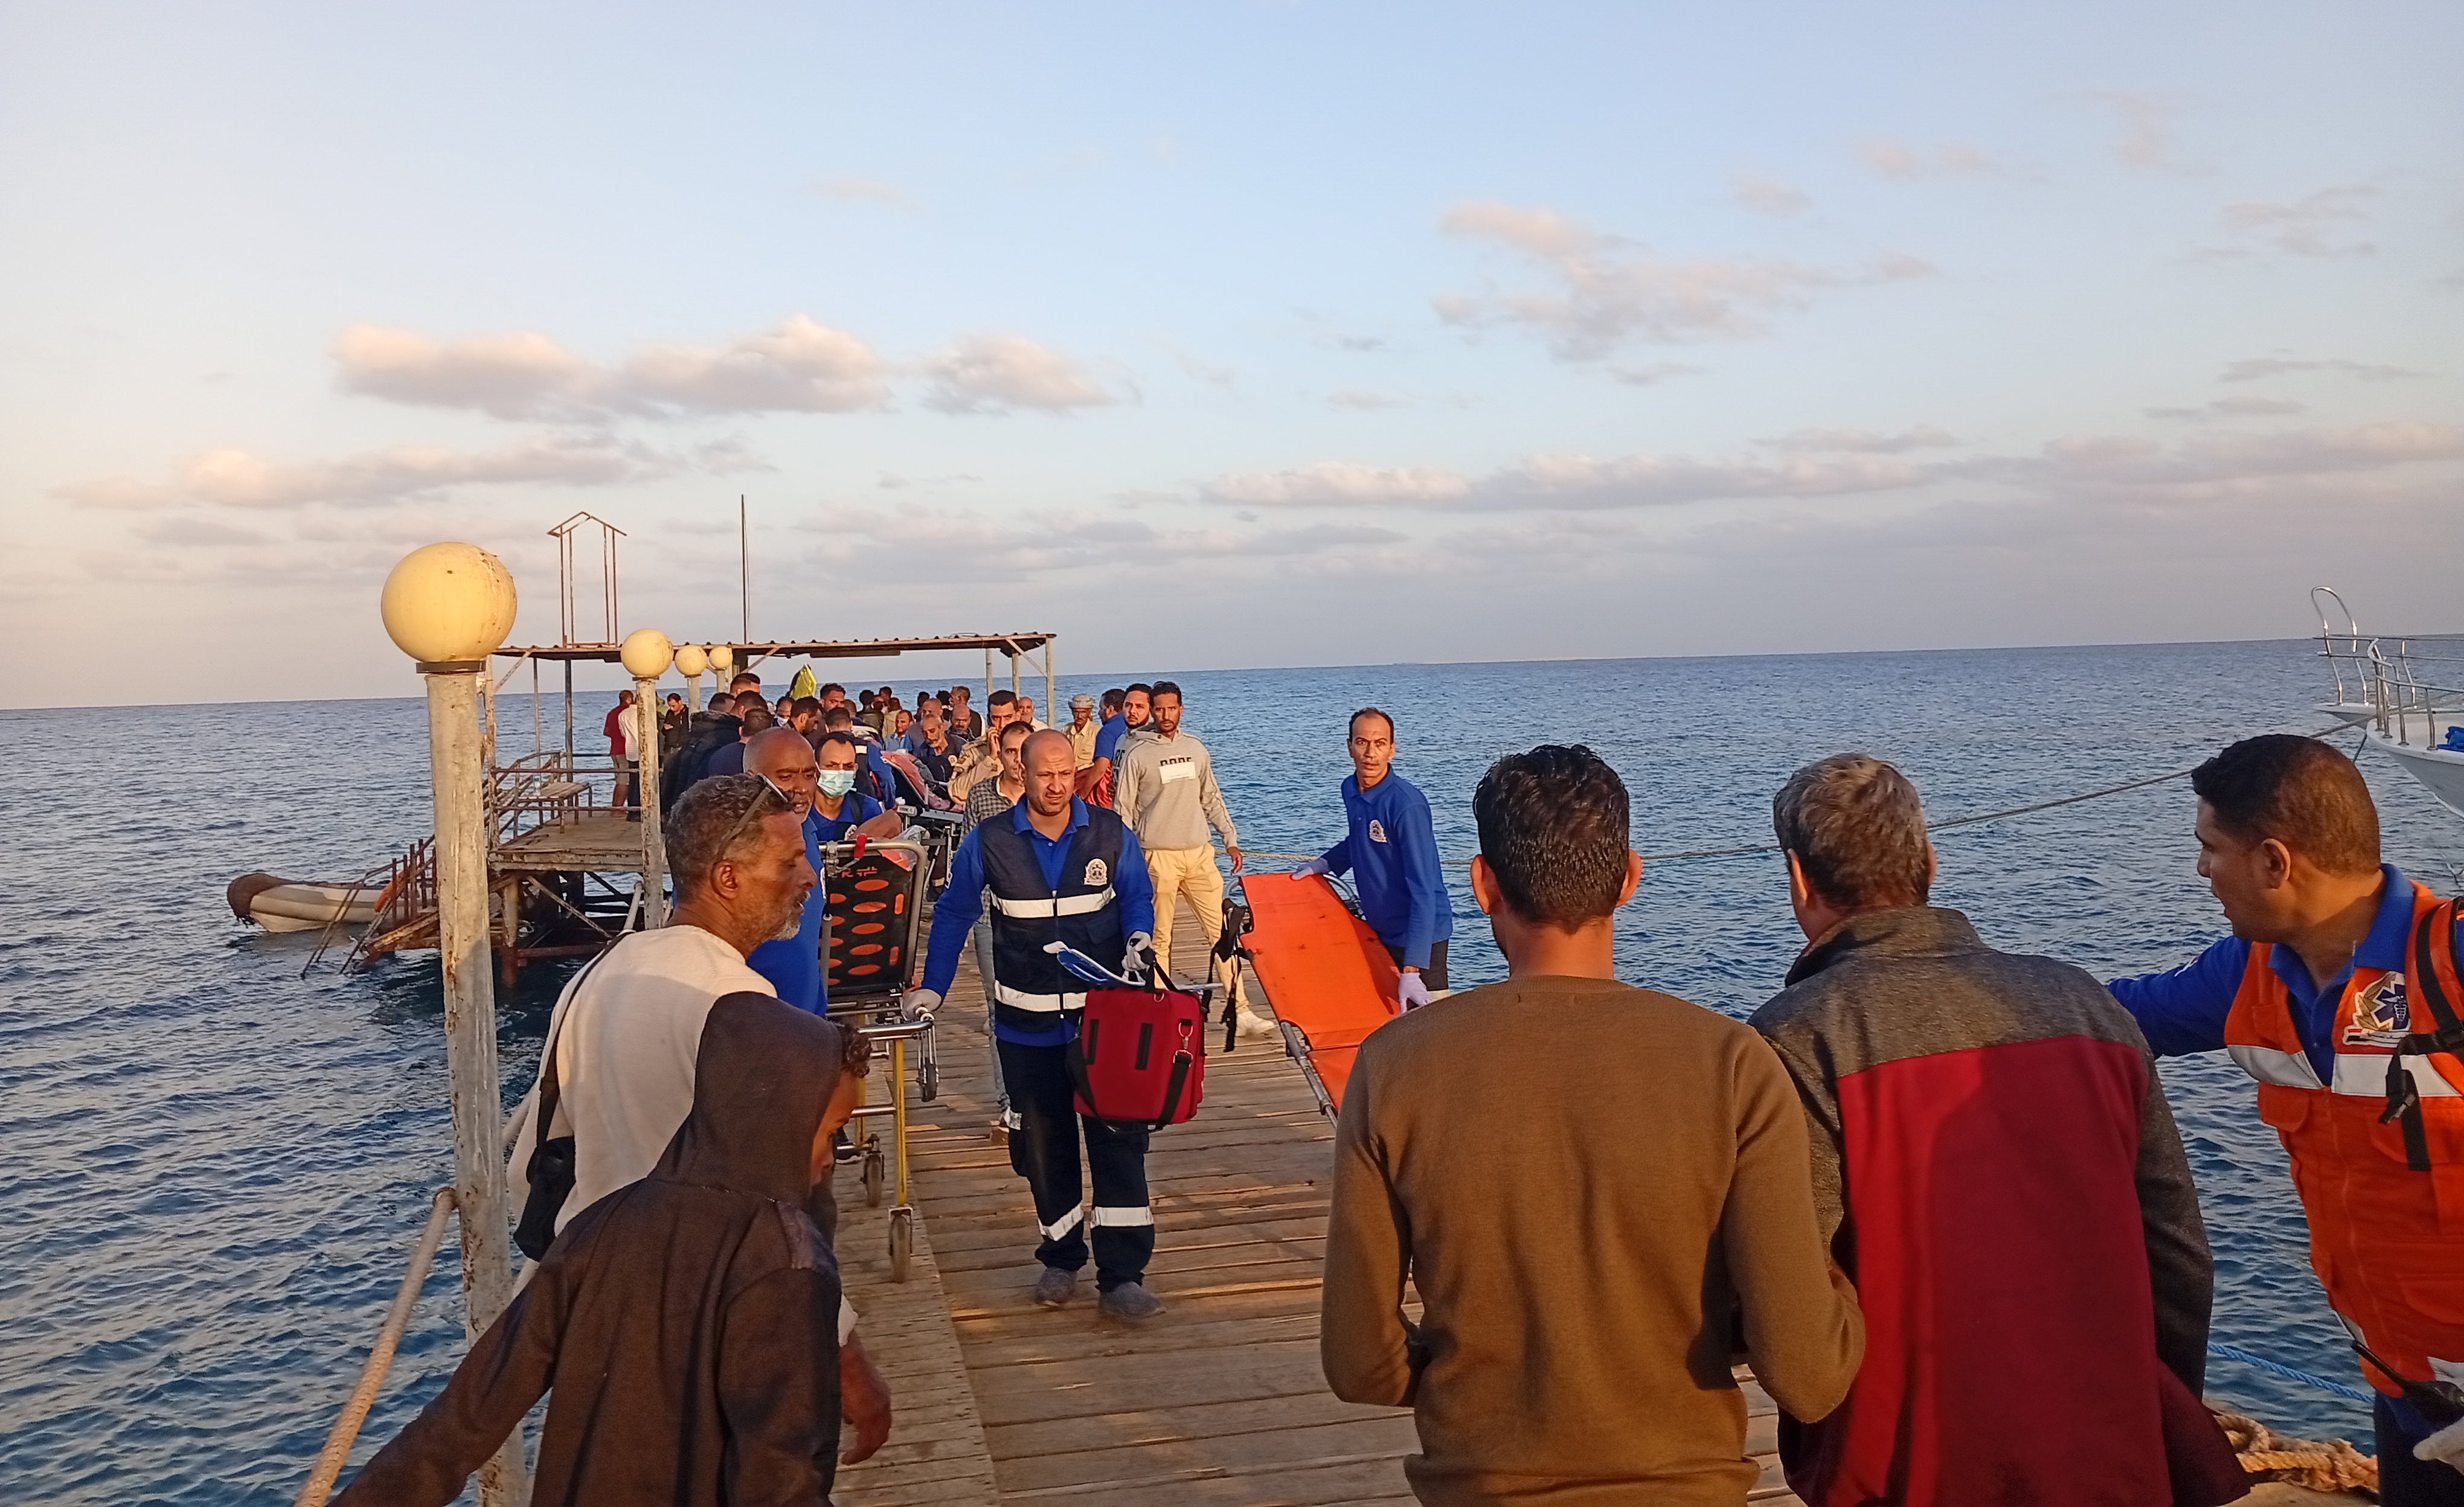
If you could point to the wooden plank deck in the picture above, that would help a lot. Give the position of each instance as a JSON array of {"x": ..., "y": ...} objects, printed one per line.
[
  {"x": 595, "y": 839},
  {"x": 1218, "y": 1403},
  {"x": 1220, "y": 1400}
]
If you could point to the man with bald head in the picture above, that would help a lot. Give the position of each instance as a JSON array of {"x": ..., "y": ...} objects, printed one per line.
[
  {"x": 793, "y": 963},
  {"x": 1058, "y": 871}
]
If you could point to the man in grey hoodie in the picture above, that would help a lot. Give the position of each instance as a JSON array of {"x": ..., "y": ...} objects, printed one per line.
[{"x": 1164, "y": 788}]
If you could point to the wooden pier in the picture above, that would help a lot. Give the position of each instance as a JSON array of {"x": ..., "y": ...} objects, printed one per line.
[{"x": 1220, "y": 1401}]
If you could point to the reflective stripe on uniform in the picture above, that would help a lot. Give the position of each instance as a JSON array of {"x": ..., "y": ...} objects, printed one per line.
[
  {"x": 2287, "y": 1069},
  {"x": 1048, "y": 908},
  {"x": 1021, "y": 999},
  {"x": 1065, "y": 1224},
  {"x": 1140, "y": 1215},
  {"x": 2365, "y": 1076}
]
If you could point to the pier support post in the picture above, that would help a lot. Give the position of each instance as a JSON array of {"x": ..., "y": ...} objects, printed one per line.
[
  {"x": 448, "y": 606},
  {"x": 646, "y": 656}
]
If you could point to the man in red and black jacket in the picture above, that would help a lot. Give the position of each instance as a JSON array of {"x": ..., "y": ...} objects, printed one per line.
[{"x": 1997, "y": 1169}]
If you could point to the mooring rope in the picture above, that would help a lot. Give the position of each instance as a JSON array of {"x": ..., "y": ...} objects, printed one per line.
[
  {"x": 1944, "y": 825},
  {"x": 2291, "y": 1373},
  {"x": 372, "y": 1375}
]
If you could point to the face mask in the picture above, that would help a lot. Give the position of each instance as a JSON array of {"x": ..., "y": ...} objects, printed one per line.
[{"x": 837, "y": 782}]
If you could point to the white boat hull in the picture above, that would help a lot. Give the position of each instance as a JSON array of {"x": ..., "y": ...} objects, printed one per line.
[
  {"x": 304, "y": 907},
  {"x": 2440, "y": 771}
]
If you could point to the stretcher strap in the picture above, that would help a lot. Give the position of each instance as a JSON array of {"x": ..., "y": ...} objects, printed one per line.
[{"x": 2445, "y": 1034}]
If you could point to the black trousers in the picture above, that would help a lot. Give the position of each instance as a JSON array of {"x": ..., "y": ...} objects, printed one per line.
[
  {"x": 1435, "y": 975},
  {"x": 1043, "y": 1149},
  {"x": 2403, "y": 1481}
]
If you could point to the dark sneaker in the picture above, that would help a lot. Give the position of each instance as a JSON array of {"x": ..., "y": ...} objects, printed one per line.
[
  {"x": 1055, "y": 1287},
  {"x": 1128, "y": 1302}
]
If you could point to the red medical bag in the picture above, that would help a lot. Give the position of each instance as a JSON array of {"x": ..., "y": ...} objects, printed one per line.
[{"x": 1140, "y": 1056}]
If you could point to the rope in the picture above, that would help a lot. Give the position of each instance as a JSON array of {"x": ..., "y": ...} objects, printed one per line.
[
  {"x": 372, "y": 1375},
  {"x": 1930, "y": 826},
  {"x": 2288, "y": 1373},
  {"x": 2334, "y": 1466}
]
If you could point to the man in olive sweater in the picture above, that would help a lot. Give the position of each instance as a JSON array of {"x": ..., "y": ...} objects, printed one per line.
[{"x": 1585, "y": 1278}]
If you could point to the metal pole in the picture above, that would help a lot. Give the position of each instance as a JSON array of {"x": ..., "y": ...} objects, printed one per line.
[
  {"x": 744, "y": 567},
  {"x": 1051, "y": 687},
  {"x": 568, "y": 713},
  {"x": 456, "y": 773},
  {"x": 654, "y": 849},
  {"x": 692, "y": 695},
  {"x": 989, "y": 672}
]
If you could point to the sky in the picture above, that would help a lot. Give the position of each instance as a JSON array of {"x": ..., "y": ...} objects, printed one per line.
[{"x": 1226, "y": 334}]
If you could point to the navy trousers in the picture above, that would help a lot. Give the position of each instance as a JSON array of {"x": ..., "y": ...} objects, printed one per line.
[{"x": 1043, "y": 1149}]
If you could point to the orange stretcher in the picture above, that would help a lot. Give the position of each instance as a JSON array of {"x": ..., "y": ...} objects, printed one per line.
[{"x": 1326, "y": 974}]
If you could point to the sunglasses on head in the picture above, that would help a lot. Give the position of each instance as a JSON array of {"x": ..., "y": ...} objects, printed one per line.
[{"x": 769, "y": 788}]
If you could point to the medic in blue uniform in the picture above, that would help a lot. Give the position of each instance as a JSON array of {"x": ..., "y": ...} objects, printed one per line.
[{"x": 1390, "y": 851}]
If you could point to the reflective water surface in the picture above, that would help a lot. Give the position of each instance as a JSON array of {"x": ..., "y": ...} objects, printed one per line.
[{"x": 215, "y": 1166}]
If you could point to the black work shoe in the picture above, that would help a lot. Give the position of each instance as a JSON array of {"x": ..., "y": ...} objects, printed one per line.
[
  {"x": 1130, "y": 1303},
  {"x": 1055, "y": 1287}
]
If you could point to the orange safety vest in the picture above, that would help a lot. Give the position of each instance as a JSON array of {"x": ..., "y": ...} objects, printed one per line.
[{"x": 2381, "y": 1181}]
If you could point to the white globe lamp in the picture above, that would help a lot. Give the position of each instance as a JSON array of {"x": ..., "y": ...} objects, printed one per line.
[
  {"x": 448, "y": 603},
  {"x": 690, "y": 661},
  {"x": 722, "y": 658},
  {"x": 647, "y": 653}
]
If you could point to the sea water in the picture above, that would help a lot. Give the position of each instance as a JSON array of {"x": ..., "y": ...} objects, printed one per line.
[{"x": 212, "y": 1167}]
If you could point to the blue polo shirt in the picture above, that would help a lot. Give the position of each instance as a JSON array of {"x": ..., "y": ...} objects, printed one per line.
[
  {"x": 2182, "y": 1009},
  {"x": 1108, "y": 738},
  {"x": 1390, "y": 851},
  {"x": 954, "y": 913}
]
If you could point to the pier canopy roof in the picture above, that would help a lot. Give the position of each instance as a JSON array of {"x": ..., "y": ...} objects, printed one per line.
[{"x": 1013, "y": 644}]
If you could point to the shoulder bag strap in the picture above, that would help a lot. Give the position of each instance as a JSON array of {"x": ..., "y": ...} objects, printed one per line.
[
  {"x": 551, "y": 1092},
  {"x": 2446, "y": 1033}
]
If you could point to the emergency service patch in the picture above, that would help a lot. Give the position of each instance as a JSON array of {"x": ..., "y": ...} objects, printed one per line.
[
  {"x": 1096, "y": 872},
  {"x": 2382, "y": 1017},
  {"x": 1376, "y": 830}
]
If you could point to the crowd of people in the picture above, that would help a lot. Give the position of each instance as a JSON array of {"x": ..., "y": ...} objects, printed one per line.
[{"x": 1932, "y": 1193}]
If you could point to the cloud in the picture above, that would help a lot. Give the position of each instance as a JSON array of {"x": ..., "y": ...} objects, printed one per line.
[
  {"x": 2222, "y": 466},
  {"x": 859, "y": 191},
  {"x": 1360, "y": 400},
  {"x": 2147, "y": 135},
  {"x": 1768, "y": 196},
  {"x": 2310, "y": 226},
  {"x": 801, "y": 366},
  {"x": 1905, "y": 163},
  {"x": 2254, "y": 368},
  {"x": 1336, "y": 483},
  {"x": 1865, "y": 442},
  {"x": 1557, "y": 481},
  {"x": 996, "y": 373},
  {"x": 1607, "y": 293},
  {"x": 186, "y": 529},
  {"x": 1654, "y": 373},
  {"x": 978, "y": 547},
  {"x": 2232, "y": 408},
  {"x": 234, "y": 478}
]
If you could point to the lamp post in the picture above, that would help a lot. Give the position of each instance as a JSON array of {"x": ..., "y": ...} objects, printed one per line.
[
  {"x": 690, "y": 661},
  {"x": 448, "y": 606},
  {"x": 647, "y": 655}
]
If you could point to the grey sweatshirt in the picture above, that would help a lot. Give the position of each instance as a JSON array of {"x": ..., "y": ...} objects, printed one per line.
[{"x": 1164, "y": 788}]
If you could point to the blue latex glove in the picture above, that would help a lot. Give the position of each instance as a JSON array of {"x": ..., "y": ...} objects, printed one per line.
[{"x": 1311, "y": 869}]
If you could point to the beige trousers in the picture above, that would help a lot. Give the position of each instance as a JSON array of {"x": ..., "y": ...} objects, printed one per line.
[{"x": 1192, "y": 872}]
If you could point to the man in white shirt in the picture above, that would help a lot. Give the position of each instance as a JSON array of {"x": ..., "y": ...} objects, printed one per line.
[{"x": 628, "y": 1032}]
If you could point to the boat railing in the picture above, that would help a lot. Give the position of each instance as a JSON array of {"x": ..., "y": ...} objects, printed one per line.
[
  {"x": 2346, "y": 651},
  {"x": 2417, "y": 685}
]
